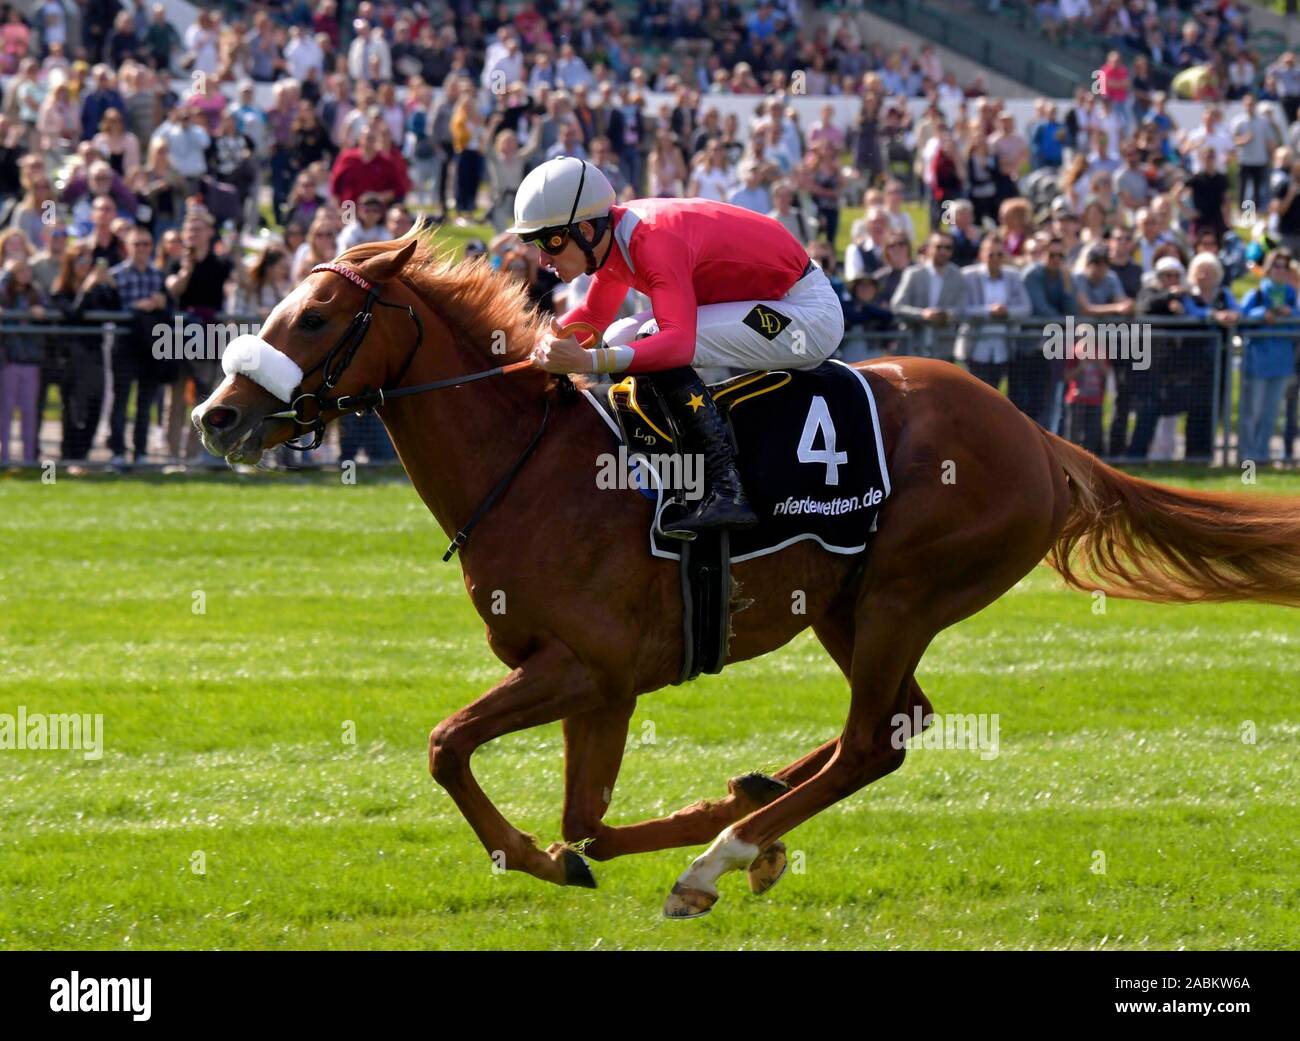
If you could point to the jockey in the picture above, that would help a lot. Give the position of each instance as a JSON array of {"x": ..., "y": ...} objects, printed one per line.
[{"x": 727, "y": 287}]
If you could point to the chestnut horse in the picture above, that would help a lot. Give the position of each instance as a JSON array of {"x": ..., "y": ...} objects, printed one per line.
[{"x": 980, "y": 495}]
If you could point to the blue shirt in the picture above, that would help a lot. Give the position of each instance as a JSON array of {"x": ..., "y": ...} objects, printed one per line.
[{"x": 1268, "y": 357}]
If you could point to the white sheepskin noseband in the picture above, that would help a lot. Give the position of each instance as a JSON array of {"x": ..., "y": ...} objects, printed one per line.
[{"x": 271, "y": 369}]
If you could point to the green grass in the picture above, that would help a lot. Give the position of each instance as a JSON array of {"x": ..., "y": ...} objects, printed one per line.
[{"x": 326, "y": 604}]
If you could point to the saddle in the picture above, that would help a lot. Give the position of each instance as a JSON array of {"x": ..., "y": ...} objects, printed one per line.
[
  {"x": 809, "y": 449},
  {"x": 648, "y": 428}
]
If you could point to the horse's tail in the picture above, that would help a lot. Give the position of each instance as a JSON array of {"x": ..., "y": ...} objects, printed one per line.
[{"x": 1132, "y": 538}]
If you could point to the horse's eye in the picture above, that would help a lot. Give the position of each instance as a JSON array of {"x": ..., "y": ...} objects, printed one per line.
[{"x": 312, "y": 320}]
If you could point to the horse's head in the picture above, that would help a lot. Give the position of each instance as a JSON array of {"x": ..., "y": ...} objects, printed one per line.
[{"x": 316, "y": 357}]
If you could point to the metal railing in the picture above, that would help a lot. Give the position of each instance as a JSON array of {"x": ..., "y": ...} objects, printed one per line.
[{"x": 1175, "y": 364}]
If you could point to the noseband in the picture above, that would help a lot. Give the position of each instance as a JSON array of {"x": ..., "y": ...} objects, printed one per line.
[{"x": 307, "y": 409}]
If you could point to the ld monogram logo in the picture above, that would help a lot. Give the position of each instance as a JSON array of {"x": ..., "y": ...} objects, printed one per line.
[{"x": 766, "y": 322}]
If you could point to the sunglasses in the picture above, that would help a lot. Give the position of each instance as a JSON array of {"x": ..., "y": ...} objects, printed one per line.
[{"x": 550, "y": 241}]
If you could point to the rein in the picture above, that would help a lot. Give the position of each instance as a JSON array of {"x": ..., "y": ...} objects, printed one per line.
[{"x": 307, "y": 409}]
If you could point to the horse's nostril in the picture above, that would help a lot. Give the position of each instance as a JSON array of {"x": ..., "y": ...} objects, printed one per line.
[{"x": 220, "y": 417}]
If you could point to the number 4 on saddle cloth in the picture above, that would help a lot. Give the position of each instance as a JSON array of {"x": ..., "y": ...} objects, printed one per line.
[{"x": 809, "y": 451}]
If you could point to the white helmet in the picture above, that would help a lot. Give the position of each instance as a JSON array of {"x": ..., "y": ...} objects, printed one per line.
[{"x": 560, "y": 192}]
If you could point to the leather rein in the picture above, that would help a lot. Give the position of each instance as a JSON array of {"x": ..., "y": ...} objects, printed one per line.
[{"x": 307, "y": 409}]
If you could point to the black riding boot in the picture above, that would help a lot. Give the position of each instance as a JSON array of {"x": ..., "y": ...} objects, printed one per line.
[{"x": 724, "y": 504}]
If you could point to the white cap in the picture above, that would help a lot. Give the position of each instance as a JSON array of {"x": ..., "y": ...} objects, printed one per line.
[{"x": 560, "y": 192}]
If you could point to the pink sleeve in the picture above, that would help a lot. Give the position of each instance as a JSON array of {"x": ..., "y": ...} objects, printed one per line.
[
  {"x": 666, "y": 261},
  {"x": 600, "y": 306}
]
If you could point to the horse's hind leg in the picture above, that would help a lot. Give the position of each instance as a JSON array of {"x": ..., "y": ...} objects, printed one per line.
[{"x": 594, "y": 747}]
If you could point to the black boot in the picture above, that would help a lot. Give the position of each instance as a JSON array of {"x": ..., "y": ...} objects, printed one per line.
[{"x": 724, "y": 504}]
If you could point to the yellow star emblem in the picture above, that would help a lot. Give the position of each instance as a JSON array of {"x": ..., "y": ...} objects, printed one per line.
[{"x": 696, "y": 402}]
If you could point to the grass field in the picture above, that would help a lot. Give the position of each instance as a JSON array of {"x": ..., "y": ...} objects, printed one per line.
[{"x": 224, "y": 738}]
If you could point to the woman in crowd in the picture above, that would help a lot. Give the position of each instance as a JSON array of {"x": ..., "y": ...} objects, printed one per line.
[
  {"x": 467, "y": 139},
  {"x": 897, "y": 257},
  {"x": 303, "y": 201},
  {"x": 84, "y": 284},
  {"x": 827, "y": 187},
  {"x": 309, "y": 141},
  {"x": 506, "y": 165},
  {"x": 1093, "y": 229},
  {"x": 32, "y": 215},
  {"x": 21, "y": 355},
  {"x": 161, "y": 190},
  {"x": 1211, "y": 298},
  {"x": 117, "y": 144},
  {"x": 59, "y": 121},
  {"x": 981, "y": 177},
  {"x": 263, "y": 284},
  {"x": 666, "y": 168},
  {"x": 712, "y": 175},
  {"x": 320, "y": 247},
  {"x": 1015, "y": 226}
]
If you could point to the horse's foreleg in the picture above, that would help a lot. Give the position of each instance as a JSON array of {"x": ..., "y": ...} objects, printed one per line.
[
  {"x": 594, "y": 742},
  {"x": 551, "y": 684}
]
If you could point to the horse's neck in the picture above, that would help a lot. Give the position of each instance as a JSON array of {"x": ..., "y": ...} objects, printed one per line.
[{"x": 457, "y": 443}]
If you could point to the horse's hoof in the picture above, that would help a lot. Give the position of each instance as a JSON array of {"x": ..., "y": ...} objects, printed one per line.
[
  {"x": 757, "y": 788},
  {"x": 576, "y": 871},
  {"x": 767, "y": 869},
  {"x": 684, "y": 902}
]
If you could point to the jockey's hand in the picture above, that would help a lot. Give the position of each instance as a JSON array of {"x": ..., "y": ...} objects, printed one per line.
[{"x": 561, "y": 356}]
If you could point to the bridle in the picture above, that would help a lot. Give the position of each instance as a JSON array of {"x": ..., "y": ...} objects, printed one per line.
[{"x": 307, "y": 409}]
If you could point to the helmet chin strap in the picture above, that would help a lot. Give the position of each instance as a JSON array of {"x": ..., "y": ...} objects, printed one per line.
[{"x": 588, "y": 246}]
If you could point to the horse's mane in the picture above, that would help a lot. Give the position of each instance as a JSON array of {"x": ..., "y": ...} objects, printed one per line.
[{"x": 481, "y": 306}]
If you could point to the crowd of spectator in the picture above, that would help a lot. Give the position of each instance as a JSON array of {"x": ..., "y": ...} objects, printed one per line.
[{"x": 181, "y": 171}]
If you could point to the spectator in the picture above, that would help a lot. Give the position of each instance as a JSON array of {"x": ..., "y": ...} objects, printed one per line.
[
  {"x": 933, "y": 293},
  {"x": 994, "y": 289},
  {"x": 319, "y": 247},
  {"x": 117, "y": 144},
  {"x": 507, "y": 164},
  {"x": 140, "y": 289},
  {"x": 368, "y": 224},
  {"x": 20, "y": 359},
  {"x": 1211, "y": 298},
  {"x": 368, "y": 169},
  {"x": 1269, "y": 362},
  {"x": 1255, "y": 136},
  {"x": 197, "y": 282},
  {"x": 1031, "y": 375},
  {"x": 263, "y": 284},
  {"x": 468, "y": 138},
  {"x": 1085, "y": 394},
  {"x": 751, "y": 194},
  {"x": 866, "y": 317},
  {"x": 187, "y": 143},
  {"x": 802, "y": 225},
  {"x": 84, "y": 284}
]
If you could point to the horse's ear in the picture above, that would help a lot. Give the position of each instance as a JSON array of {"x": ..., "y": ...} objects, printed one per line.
[{"x": 384, "y": 267}]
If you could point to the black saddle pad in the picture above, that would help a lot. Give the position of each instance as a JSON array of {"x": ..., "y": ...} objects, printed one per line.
[{"x": 810, "y": 454}]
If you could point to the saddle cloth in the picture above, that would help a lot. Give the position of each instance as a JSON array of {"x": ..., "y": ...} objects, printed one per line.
[{"x": 809, "y": 451}]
